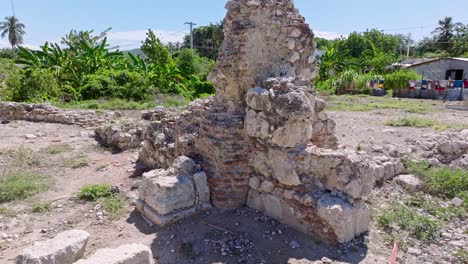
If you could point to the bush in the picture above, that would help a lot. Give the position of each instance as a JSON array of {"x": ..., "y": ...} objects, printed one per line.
[
  {"x": 116, "y": 84},
  {"x": 95, "y": 192},
  {"x": 8, "y": 54},
  {"x": 21, "y": 185},
  {"x": 36, "y": 86},
  {"x": 400, "y": 79}
]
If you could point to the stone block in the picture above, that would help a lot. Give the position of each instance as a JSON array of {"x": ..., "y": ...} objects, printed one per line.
[
  {"x": 201, "y": 185},
  {"x": 65, "y": 248},
  {"x": 126, "y": 254},
  {"x": 166, "y": 194}
]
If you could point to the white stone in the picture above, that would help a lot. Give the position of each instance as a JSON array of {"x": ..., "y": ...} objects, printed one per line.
[
  {"x": 409, "y": 182},
  {"x": 457, "y": 201},
  {"x": 166, "y": 194},
  {"x": 294, "y": 57},
  {"x": 254, "y": 183},
  {"x": 30, "y": 136},
  {"x": 267, "y": 186},
  {"x": 293, "y": 134},
  {"x": 126, "y": 254},
  {"x": 347, "y": 221},
  {"x": 283, "y": 171},
  {"x": 201, "y": 185},
  {"x": 256, "y": 125},
  {"x": 65, "y": 248}
]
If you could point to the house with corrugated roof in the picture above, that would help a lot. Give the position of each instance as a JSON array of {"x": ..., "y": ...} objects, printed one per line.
[{"x": 441, "y": 69}]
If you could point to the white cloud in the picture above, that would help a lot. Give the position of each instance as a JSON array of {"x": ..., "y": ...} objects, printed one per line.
[
  {"x": 133, "y": 39},
  {"x": 6, "y": 45},
  {"x": 328, "y": 35}
]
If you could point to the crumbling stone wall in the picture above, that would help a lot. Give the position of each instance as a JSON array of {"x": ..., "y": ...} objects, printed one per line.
[
  {"x": 265, "y": 140},
  {"x": 50, "y": 114}
]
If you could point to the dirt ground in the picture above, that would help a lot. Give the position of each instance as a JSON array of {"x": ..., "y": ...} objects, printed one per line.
[{"x": 241, "y": 236}]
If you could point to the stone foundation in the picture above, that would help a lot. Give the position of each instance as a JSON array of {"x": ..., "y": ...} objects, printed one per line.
[{"x": 50, "y": 114}]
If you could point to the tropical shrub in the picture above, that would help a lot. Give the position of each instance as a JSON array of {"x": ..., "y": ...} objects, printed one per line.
[{"x": 400, "y": 79}]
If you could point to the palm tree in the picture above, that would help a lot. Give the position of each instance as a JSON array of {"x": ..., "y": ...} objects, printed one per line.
[
  {"x": 14, "y": 29},
  {"x": 445, "y": 31}
]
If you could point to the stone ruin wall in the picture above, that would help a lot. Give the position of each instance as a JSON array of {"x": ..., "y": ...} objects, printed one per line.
[
  {"x": 264, "y": 141},
  {"x": 50, "y": 114}
]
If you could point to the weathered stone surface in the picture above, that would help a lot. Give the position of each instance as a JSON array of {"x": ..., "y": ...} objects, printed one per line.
[
  {"x": 126, "y": 254},
  {"x": 201, "y": 186},
  {"x": 409, "y": 182},
  {"x": 346, "y": 220},
  {"x": 65, "y": 248},
  {"x": 168, "y": 195},
  {"x": 50, "y": 114}
]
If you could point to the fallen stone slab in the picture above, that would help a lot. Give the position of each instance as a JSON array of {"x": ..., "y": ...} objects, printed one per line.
[
  {"x": 65, "y": 248},
  {"x": 411, "y": 183},
  {"x": 126, "y": 254}
]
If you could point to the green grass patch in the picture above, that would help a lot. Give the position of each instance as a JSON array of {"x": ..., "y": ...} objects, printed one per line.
[
  {"x": 411, "y": 122},
  {"x": 361, "y": 103},
  {"x": 113, "y": 104},
  {"x": 423, "y": 122},
  {"x": 400, "y": 217},
  {"x": 58, "y": 149},
  {"x": 21, "y": 185},
  {"x": 102, "y": 167},
  {"x": 461, "y": 255},
  {"x": 443, "y": 182},
  {"x": 24, "y": 157},
  {"x": 77, "y": 162},
  {"x": 434, "y": 207},
  {"x": 41, "y": 207},
  {"x": 113, "y": 204},
  {"x": 95, "y": 192}
]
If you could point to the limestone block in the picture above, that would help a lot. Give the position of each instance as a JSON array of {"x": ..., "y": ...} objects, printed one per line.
[
  {"x": 256, "y": 125},
  {"x": 65, "y": 248},
  {"x": 347, "y": 221},
  {"x": 293, "y": 134},
  {"x": 126, "y": 254},
  {"x": 410, "y": 182},
  {"x": 282, "y": 169},
  {"x": 166, "y": 194},
  {"x": 258, "y": 99},
  {"x": 201, "y": 185}
]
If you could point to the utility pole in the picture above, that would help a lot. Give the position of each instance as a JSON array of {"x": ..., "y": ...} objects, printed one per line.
[
  {"x": 13, "y": 7},
  {"x": 191, "y": 33}
]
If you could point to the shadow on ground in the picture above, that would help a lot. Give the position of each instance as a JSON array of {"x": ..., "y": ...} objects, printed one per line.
[{"x": 240, "y": 236}]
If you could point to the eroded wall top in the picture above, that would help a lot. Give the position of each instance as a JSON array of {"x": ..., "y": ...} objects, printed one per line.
[{"x": 263, "y": 39}]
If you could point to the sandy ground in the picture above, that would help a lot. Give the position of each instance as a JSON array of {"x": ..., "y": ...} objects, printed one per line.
[{"x": 241, "y": 236}]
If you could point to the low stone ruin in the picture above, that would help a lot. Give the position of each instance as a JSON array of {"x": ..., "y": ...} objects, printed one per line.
[
  {"x": 69, "y": 248},
  {"x": 50, "y": 114},
  {"x": 264, "y": 141},
  {"x": 166, "y": 196}
]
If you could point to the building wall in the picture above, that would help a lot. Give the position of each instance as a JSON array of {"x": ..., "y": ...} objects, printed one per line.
[{"x": 437, "y": 70}]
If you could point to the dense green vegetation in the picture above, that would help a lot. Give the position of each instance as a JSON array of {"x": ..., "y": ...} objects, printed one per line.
[
  {"x": 348, "y": 64},
  {"x": 85, "y": 68}
]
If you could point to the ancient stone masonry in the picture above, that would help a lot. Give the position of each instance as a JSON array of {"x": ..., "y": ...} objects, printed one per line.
[
  {"x": 265, "y": 140},
  {"x": 51, "y": 114}
]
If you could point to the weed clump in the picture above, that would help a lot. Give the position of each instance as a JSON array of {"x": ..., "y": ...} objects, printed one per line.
[
  {"x": 21, "y": 185},
  {"x": 95, "y": 192}
]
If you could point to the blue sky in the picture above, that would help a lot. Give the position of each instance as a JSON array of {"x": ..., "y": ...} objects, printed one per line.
[{"x": 48, "y": 20}]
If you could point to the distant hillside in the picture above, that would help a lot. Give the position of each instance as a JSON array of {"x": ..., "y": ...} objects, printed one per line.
[{"x": 135, "y": 52}]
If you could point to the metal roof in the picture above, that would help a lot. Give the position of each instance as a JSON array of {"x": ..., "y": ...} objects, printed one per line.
[{"x": 430, "y": 61}]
